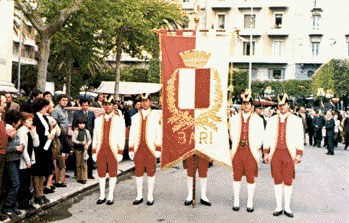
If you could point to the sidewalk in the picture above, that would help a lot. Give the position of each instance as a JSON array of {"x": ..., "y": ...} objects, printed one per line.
[{"x": 73, "y": 188}]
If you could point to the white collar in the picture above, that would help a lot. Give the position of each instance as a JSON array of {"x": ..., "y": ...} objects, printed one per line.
[
  {"x": 24, "y": 129},
  {"x": 283, "y": 116},
  {"x": 44, "y": 123},
  {"x": 145, "y": 113},
  {"x": 246, "y": 115},
  {"x": 108, "y": 116}
]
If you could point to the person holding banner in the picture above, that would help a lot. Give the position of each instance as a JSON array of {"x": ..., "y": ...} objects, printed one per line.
[
  {"x": 107, "y": 149},
  {"x": 247, "y": 130},
  {"x": 283, "y": 148},
  {"x": 145, "y": 146}
]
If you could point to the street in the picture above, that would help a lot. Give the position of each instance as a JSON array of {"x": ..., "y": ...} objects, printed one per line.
[{"x": 320, "y": 195}]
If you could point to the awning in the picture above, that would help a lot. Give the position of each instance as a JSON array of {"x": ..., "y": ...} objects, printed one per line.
[
  {"x": 7, "y": 87},
  {"x": 132, "y": 88},
  {"x": 264, "y": 102}
]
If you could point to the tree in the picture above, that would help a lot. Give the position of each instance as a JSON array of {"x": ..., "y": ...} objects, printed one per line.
[
  {"x": 47, "y": 18},
  {"x": 129, "y": 27},
  {"x": 323, "y": 77}
]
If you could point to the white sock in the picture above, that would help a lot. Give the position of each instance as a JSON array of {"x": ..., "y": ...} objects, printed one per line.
[
  {"x": 151, "y": 183},
  {"x": 139, "y": 183},
  {"x": 236, "y": 187},
  {"x": 190, "y": 188},
  {"x": 287, "y": 194},
  {"x": 278, "y": 196},
  {"x": 203, "y": 184},
  {"x": 102, "y": 188},
  {"x": 112, "y": 183},
  {"x": 250, "y": 190}
]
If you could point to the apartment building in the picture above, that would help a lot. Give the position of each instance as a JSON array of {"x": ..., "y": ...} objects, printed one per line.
[{"x": 291, "y": 39}]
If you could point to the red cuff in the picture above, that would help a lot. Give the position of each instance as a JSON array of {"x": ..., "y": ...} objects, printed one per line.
[
  {"x": 120, "y": 152},
  {"x": 158, "y": 148},
  {"x": 130, "y": 149},
  {"x": 265, "y": 151},
  {"x": 299, "y": 152}
]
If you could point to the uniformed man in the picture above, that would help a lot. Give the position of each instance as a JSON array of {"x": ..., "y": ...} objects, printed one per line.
[
  {"x": 145, "y": 146},
  {"x": 107, "y": 149},
  {"x": 283, "y": 147},
  {"x": 247, "y": 131}
]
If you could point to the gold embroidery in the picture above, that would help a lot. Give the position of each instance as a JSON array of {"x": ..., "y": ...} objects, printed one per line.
[{"x": 181, "y": 120}]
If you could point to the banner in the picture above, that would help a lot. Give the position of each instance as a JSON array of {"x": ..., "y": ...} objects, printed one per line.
[{"x": 194, "y": 96}]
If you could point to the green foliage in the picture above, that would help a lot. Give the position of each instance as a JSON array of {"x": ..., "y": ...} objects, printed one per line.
[
  {"x": 154, "y": 71},
  {"x": 240, "y": 81},
  {"x": 134, "y": 74},
  {"x": 323, "y": 77},
  {"x": 28, "y": 76}
]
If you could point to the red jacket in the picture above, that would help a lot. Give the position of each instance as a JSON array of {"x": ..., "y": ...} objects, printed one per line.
[{"x": 3, "y": 138}]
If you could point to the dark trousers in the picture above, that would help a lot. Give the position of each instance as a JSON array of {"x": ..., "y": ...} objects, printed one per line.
[
  {"x": 318, "y": 137},
  {"x": 330, "y": 144},
  {"x": 2, "y": 178},
  {"x": 24, "y": 193},
  {"x": 311, "y": 137},
  {"x": 14, "y": 183},
  {"x": 89, "y": 162}
]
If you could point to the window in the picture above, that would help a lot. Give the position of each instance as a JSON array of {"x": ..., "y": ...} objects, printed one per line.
[
  {"x": 277, "y": 46},
  {"x": 247, "y": 48},
  {"x": 249, "y": 21},
  {"x": 221, "y": 21},
  {"x": 316, "y": 22},
  {"x": 15, "y": 48},
  {"x": 278, "y": 20},
  {"x": 186, "y": 0},
  {"x": 276, "y": 74},
  {"x": 315, "y": 48}
]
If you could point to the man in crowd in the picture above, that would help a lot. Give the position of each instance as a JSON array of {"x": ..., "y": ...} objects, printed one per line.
[
  {"x": 90, "y": 117},
  {"x": 310, "y": 119},
  {"x": 318, "y": 125},
  {"x": 145, "y": 146},
  {"x": 28, "y": 106},
  {"x": 99, "y": 101},
  {"x": 247, "y": 130},
  {"x": 329, "y": 126},
  {"x": 60, "y": 114},
  {"x": 136, "y": 108},
  {"x": 11, "y": 105},
  {"x": 107, "y": 148},
  {"x": 303, "y": 116},
  {"x": 283, "y": 147}
]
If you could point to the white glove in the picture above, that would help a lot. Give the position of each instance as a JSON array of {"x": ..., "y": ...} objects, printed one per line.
[
  {"x": 94, "y": 157},
  {"x": 131, "y": 155},
  {"x": 157, "y": 154},
  {"x": 119, "y": 157}
]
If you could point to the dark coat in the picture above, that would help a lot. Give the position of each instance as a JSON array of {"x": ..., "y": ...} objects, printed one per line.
[
  {"x": 90, "y": 120},
  {"x": 330, "y": 124},
  {"x": 318, "y": 123}
]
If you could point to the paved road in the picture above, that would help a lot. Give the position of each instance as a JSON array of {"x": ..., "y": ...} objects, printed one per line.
[{"x": 321, "y": 194}]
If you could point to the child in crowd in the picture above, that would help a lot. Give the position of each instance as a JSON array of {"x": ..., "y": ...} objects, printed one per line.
[{"x": 82, "y": 140}]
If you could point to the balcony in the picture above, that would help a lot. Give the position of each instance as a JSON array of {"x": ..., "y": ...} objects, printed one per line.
[
  {"x": 278, "y": 4},
  {"x": 221, "y": 4},
  {"x": 243, "y": 4},
  {"x": 191, "y": 4},
  {"x": 278, "y": 32},
  {"x": 253, "y": 32},
  {"x": 259, "y": 59},
  {"x": 24, "y": 60}
]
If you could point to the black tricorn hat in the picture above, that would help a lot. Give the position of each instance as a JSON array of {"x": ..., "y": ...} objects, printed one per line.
[
  {"x": 283, "y": 99},
  {"x": 246, "y": 96},
  {"x": 109, "y": 100},
  {"x": 145, "y": 96}
]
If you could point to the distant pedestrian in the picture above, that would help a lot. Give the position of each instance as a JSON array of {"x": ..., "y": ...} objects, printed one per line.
[
  {"x": 329, "y": 126},
  {"x": 11, "y": 105}
]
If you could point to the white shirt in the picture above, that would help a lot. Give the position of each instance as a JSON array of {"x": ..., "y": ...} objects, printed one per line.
[
  {"x": 283, "y": 117},
  {"x": 108, "y": 116},
  {"x": 145, "y": 113},
  {"x": 245, "y": 116}
]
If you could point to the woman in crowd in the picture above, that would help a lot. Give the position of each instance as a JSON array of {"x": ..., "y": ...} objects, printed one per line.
[
  {"x": 30, "y": 139},
  {"x": 43, "y": 153},
  {"x": 14, "y": 151}
]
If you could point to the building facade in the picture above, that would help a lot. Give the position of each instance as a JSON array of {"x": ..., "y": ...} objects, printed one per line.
[{"x": 291, "y": 39}]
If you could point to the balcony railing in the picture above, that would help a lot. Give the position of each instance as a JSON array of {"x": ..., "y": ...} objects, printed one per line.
[
  {"x": 221, "y": 4},
  {"x": 278, "y": 4},
  {"x": 278, "y": 32}
]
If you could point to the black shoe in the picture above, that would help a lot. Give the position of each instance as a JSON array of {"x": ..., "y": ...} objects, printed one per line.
[
  {"x": 17, "y": 212},
  {"x": 207, "y": 203},
  {"x": 59, "y": 184},
  {"x": 137, "y": 202},
  {"x": 331, "y": 154},
  {"x": 328, "y": 153},
  {"x": 100, "y": 201},
  {"x": 45, "y": 199},
  {"x": 290, "y": 215},
  {"x": 3, "y": 217},
  {"x": 236, "y": 208},
  {"x": 110, "y": 202},
  {"x": 10, "y": 214},
  {"x": 82, "y": 181},
  {"x": 187, "y": 203},
  {"x": 150, "y": 203},
  {"x": 91, "y": 177},
  {"x": 53, "y": 187},
  {"x": 277, "y": 213},
  {"x": 250, "y": 210},
  {"x": 38, "y": 200},
  {"x": 48, "y": 190}
]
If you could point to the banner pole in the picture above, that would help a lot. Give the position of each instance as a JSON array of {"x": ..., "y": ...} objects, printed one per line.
[{"x": 194, "y": 179}]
